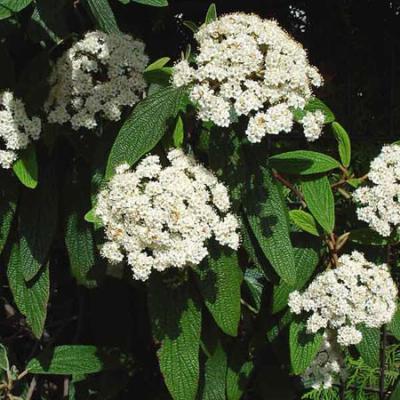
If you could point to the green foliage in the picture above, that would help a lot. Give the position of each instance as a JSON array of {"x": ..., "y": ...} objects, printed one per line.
[
  {"x": 304, "y": 221},
  {"x": 26, "y": 168},
  {"x": 145, "y": 127},
  {"x": 10, "y": 7},
  {"x": 4, "y": 365},
  {"x": 8, "y": 205},
  {"x": 211, "y": 13},
  {"x": 344, "y": 144},
  {"x": 102, "y": 15},
  {"x": 369, "y": 346},
  {"x": 394, "y": 325}
]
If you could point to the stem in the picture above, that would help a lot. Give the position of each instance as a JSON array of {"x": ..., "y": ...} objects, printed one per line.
[
  {"x": 31, "y": 389},
  {"x": 286, "y": 183}
]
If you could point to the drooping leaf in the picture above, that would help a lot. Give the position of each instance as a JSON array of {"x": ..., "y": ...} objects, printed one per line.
[
  {"x": 268, "y": 218},
  {"x": 303, "y": 346},
  {"x": 26, "y": 167},
  {"x": 176, "y": 321},
  {"x": 30, "y": 297},
  {"x": 69, "y": 360},
  {"x": 8, "y": 205},
  {"x": 219, "y": 280},
  {"x": 344, "y": 143},
  {"x": 37, "y": 224},
  {"x": 303, "y": 162},
  {"x": 319, "y": 199},
  {"x": 304, "y": 221},
  {"x": 369, "y": 345},
  {"x": 394, "y": 325},
  {"x": 153, "y": 3},
  {"x": 145, "y": 127},
  {"x": 213, "y": 385},
  {"x": 4, "y": 365},
  {"x": 103, "y": 16},
  {"x": 79, "y": 237},
  {"x": 211, "y": 13},
  {"x": 10, "y": 7}
]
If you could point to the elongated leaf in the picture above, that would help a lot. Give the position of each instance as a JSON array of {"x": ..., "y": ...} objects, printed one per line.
[
  {"x": 68, "y": 360},
  {"x": 211, "y": 13},
  {"x": 4, "y": 365},
  {"x": 179, "y": 133},
  {"x": 215, "y": 368},
  {"x": 26, "y": 167},
  {"x": 367, "y": 236},
  {"x": 79, "y": 238},
  {"x": 176, "y": 320},
  {"x": 254, "y": 280},
  {"x": 37, "y": 224},
  {"x": 319, "y": 198},
  {"x": 30, "y": 297},
  {"x": 8, "y": 205},
  {"x": 103, "y": 15},
  {"x": 306, "y": 260},
  {"x": 145, "y": 127},
  {"x": 10, "y": 7},
  {"x": 304, "y": 221},
  {"x": 219, "y": 280},
  {"x": 303, "y": 346},
  {"x": 369, "y": 345},
  {"x": 317, "y": 104},
  {"x": 343, "y": 143},
  {"x": 268, "y": 218},
  {"x": 153, "y": 3},
  {"x": 161, "y": 62},
  {"x": 303, "y": 162},
  {"x": 394, "y": 326}
]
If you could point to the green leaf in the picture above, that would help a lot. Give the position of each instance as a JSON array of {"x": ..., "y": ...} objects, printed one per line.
[
  {"x": 26, "y": 167},
  {"x": 30, "y": 297},
  {"x": 343, "y": 142},
  {"x": 396, "y": 392},
  {"x": 303, "y": 162},
  {"x": 145, "y": 127},
  {"x": 253, "y": 280},
  {"x": 153, "y": 3},
  {"x": 304, "y": 221},
  {"x": 161, "y": 62},
  {"x": 306, "y": 260},
  {"x": 316, "y": 104},
  {"x": 91, "y": 217},
  {"x": 303, "y": 346},
  {"x": 79, "y": 237},
  {"x": 367, "y": 236},
  {"x": 179, "y": 133},
  {"x": 238, "y": 373},
  {"x": 394, "y": 325},
  {"x": 219, "y": 281},
  {"x": 319, "y": 199},
  {"x": 4, "y": 365},
  {"x": 191, "y": 25},
  {"x": 67, "y": 360},
  {"x": 369, "y": 345},
  {"x": 175, "y": 315},
  {"x": 10, "y": 7},
  {"x": 268, "y": 218},
  {"x": 37, "y": 224},
  {"x": 103, "y": 16},
  {"x": 211, "y": 13},
  {"x": 8, "y": 205},
  {"x": 215, "y": 368}
]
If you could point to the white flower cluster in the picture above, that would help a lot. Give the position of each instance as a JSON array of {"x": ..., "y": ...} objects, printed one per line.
[
  {"x": 162, "y": 217},
  {"x": 327, "y": 366},
  {"x": 356, "y": 292},
  {"x": 380, "y": 202},
  {"x": 95, "y": 78},
  {"x": 252, "y": 67},
  {"x": 17, "y": 130}
]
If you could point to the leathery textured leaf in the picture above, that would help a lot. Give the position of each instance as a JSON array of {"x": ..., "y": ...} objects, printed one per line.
[
  {"x": 9, "y": 7},
  {"x": 26, "y": 167},
  {"x": 369, "y": 345},
  {"x": 30, "y": 297},
  {"x": 145, "y": 127},
  {"x": 268, "y": 218},
  {"x": 303, "y": 162},
  {"x": 219, "y": 281},
  {"x": 303, "y": 346},
  {"x": 319, "y": 198},
  {"x": 37, "y": 224},
  {"x": 394, "y": 325},
  {"x": 103, "y": 15},
  {"x": 175, "y": 315},
  {"x": 344, "y": 144}
]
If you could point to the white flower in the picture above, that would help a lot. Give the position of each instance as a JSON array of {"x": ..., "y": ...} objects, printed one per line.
[
  {"x": 97, "y": 77},
  {"x": 313, "y": 123},
  {"x": 160, "y": 218},
  {"x": 17, "y": 130},
  {"x": 356, "y": 292},
  {"x": 252, "y": 67},
  {"x": 379, "y": 203},
  {"x": 327, "y": 366}
]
